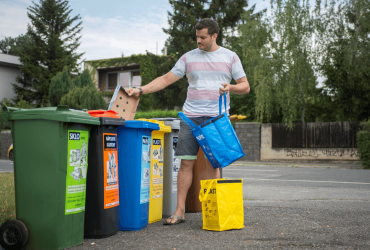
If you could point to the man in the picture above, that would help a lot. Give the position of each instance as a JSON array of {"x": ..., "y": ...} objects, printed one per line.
[{"x": 209, "y": 70}]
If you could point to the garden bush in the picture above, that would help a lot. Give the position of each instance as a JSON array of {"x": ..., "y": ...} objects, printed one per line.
[
  {"x": 156, "y": 114},
  {"x": 363, "y": 143}
]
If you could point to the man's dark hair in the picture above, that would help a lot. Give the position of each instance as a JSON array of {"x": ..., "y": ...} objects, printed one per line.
[{"x": 208, "y": 23}]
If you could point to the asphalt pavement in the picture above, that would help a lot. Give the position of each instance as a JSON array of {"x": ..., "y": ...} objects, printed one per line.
[
  {"x": 286, "y": 206},
  {"x": 6, "y": 166}
]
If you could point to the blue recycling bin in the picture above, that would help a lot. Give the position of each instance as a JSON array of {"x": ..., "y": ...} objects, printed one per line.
[{"x": 134, "y": 149}]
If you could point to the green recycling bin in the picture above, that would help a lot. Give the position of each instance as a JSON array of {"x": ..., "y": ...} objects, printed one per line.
[{"x": 50, "y": 166}]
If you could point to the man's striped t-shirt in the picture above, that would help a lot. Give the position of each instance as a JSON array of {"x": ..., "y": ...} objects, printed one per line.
[{"x": 206, "y": 71}]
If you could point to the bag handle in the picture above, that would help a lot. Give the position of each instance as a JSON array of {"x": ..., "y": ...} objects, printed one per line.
[
  {"x": 220, "y": 102},
  {"x": 186, "y": 120}
]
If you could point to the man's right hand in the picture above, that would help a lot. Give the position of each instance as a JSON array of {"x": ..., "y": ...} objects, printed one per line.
[{"x": 133, "y": 92}]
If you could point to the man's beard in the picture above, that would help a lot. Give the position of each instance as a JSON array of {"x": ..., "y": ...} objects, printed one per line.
[{"x": 208, "y": 48}]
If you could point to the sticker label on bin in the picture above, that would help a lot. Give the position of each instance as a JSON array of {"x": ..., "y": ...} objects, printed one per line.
[
  {"x": 176, "y": 165},
  {"x": 145, "y": 169},
  {"x": 76, "y": 171},
  {"x": 111, "y": 195},
  {"x": 157, "y": 168}
]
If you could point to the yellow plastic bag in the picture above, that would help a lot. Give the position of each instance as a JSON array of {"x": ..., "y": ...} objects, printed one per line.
[{"x": 222, "y": 204}]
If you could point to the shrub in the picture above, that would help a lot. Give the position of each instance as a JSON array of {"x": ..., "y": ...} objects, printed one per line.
[
  {"x": 363, "y": 143},
  {"x": 60, "y": 85},
  {"x": 5, "y": 102},
  {"x": 23, "y": 104},
  {"x": 157, "y": 114},
  {"x": 87, "y": 97},
  {"x": 108, "y": 94}
]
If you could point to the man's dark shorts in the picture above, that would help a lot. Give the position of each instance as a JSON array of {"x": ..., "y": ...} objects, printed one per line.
[{"x": 187, "y": 145}]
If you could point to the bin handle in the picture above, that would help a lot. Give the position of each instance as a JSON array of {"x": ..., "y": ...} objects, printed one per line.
[
  {"x": 10, "y": 109},
  {"x": 62, "y": 108}
]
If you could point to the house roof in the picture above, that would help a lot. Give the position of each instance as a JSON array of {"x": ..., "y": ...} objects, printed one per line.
[{"x": 9, "y": 60}]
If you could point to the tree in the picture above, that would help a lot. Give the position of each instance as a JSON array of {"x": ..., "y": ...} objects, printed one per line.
[
  {"x": 53, "y": 40},
  {"x": 187, "y": 13},
  {"x": 254, "y": 34},
  {"x": 60, "y": 85},
  {"x": 182, "y": 32},
  {"x": 345, "y": 45},
  {"x": 174, "y": 94},
  {"x": 286, "y": 79},
  {"x": 16, "y": 44},
  {"x": 84, "y": 79}
]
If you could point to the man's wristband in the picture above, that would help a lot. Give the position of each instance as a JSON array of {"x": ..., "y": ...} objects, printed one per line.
[{"x": 141, "y": 91}]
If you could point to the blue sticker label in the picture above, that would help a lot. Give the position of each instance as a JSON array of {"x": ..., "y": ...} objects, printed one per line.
[
  {"x": 145, "y": 140},
  {"x": 145, "y": 170}
]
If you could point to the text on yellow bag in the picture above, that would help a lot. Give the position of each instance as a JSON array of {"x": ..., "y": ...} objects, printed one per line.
[{"x": 222, "y": 204}]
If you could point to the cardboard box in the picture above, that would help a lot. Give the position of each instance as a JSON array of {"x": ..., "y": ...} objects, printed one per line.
[{"x": 123, "y": 104}]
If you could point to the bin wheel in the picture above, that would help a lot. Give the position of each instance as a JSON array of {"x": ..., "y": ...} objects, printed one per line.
[
  {"x": 11, "y": 155},
  {"x": 14, "y": 235}
]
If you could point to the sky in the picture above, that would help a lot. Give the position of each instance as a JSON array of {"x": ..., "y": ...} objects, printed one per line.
[{"x": 110, "y": 27}]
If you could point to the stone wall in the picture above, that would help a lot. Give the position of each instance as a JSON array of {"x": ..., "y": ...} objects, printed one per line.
[
  {"x": 6, "y": 141},
  {"x": 302, "y": 154},
  {"x": 249, "y": 134}
]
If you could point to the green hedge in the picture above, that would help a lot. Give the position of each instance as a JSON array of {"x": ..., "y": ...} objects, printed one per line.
[
  {"x": 363, "y": 144},
  {"x": 108, "y": 94},
  {"x": 157, "y": 114}
]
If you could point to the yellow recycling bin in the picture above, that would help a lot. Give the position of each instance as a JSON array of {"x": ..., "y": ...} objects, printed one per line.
[{"x": 156, "y": 172}]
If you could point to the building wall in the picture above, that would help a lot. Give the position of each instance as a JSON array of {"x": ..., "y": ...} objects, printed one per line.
[
  {"x": 8, "y": 75},
  {"x": 249, "y": 134},
  {"x": 302, "y": 154},
  {"x": 102, "y": 81},
  {"x": 101, "y": 73},
  {"x": 6, "y": 141}
]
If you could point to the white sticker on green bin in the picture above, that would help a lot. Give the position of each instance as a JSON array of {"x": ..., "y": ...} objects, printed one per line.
[
  {"x": 145, "y": 169},
  {"x": 76, "y": 171}
]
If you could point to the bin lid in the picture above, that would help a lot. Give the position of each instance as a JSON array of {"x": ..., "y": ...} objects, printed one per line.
[
  {"x": 162, "y": 127},
  {"x": 166, "y": 119},
  {"x": 112, "y": 121},
  {"x": 61, "y": 113},
  {"x": 174, "y": 124},
  {"x": 141, "y": 125},
  {"x": 103, "y": 113},
  {"x": 107, "y": 117}
]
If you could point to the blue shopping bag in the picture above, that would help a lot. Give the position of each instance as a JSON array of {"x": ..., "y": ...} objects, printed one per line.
[{"x": 217, "y": 138}]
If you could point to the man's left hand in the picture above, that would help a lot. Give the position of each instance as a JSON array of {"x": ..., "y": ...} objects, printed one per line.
[{"x": 226, "y": 88}]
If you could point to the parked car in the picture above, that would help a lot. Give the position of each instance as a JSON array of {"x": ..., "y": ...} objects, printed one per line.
[{"x": 10, "y": 153}]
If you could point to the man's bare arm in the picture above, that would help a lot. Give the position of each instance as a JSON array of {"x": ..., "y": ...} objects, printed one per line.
[
  {"x": 157, "y": 84},
  {"x": 241, "y": 87}
]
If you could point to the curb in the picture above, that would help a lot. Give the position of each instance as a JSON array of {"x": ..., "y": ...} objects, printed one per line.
[{"x": 299, "y": 165}]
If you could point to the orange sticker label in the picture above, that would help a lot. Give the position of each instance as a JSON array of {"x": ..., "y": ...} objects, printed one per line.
[{"x": 111, "y": 195}]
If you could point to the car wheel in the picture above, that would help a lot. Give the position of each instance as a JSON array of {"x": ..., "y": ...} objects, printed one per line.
[
  {"x": 13, "y": 235},
  {"x": 11, "y": 156}
]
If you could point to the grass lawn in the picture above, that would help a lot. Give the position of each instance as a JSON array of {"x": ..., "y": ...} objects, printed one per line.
[{"x": 7, "y": 197}]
